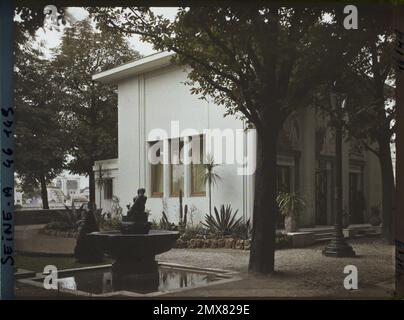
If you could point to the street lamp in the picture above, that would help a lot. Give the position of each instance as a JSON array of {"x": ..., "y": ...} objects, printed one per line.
[{"x": 338, "y": 247}]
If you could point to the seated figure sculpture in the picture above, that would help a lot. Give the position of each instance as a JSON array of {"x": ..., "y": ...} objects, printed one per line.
[{"x": 136, "y": 219}]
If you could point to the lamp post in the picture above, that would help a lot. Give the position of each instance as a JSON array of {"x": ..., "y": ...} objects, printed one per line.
[{"x": 338, "y": 247}]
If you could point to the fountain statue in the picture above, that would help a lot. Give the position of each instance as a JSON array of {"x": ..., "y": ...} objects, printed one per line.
[
  {"x": 134, "y": 247},
  {"x": 136, "y": 219}
]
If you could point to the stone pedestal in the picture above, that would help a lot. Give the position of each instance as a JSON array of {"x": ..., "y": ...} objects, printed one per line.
[
  {"x": 339, "y": 248},
  {"x": 135, "y": 266},
  {"x": 135, "y": 227}
]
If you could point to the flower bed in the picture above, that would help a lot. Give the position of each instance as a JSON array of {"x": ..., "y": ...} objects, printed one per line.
[
  {"x": 59, "y": 233},
  {"x": 283, "y": 241}
]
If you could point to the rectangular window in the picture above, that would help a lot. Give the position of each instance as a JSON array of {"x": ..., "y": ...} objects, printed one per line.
[
  {"x": 198, "y": 187},
  {"x": 108, "y": 192},
  {"x": 177, "y": 167},
  {"x": 157, "y": 174}
]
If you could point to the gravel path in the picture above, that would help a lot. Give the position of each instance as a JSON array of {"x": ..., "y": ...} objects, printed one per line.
[{"x": 300, "y": 272}]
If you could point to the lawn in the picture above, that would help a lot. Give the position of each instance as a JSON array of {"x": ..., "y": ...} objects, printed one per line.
[{"x": 37, "y": 263}]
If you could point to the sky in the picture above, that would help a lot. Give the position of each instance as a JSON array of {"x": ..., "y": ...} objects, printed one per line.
[{"x": 51, "y": 39}]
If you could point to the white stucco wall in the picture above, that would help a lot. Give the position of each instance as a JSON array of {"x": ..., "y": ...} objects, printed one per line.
[{"x": 151, "y": 101}]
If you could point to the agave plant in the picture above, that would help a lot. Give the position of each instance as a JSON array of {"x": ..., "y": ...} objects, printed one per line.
[
  {"x": 68, "y": 219},
  {"x": 72, "y": 216},
  {"x": 225, "y": 223}
]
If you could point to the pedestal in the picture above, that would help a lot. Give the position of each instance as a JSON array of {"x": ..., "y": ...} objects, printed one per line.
[
  {"x": 135, "y": 274},
  {"x": 339, "y": 248}
]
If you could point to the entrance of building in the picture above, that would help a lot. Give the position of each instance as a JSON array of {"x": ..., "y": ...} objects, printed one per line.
[
  {"x": 357, "y": 204},
  {"x": 324, "y": 200},
  {"x": 321, "y": 197}
]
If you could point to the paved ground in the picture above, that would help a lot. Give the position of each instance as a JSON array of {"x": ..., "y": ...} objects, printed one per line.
[{"x": 300, "y": 272}]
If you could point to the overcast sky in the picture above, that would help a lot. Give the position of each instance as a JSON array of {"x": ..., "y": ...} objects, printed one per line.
[{"x": 51, "y": 39}]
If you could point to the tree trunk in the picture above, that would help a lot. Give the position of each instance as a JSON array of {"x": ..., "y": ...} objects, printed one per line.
[
  {"x": 388, "y": 189},
  {"x": 44, "y": 192},
  {"x": 100, "y": 187},
  {"x": 399, "y": 204},
  {"x": 262, "y": 253},
  {"x": 91, "y": 184}
]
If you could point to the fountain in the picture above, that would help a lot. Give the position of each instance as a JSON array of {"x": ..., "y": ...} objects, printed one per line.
[{"x": 134, "y": 247}]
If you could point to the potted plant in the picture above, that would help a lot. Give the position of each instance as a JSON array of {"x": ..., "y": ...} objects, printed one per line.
[{"x": 290, "y": 205}]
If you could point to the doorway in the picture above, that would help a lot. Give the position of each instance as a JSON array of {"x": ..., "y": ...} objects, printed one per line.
[
  {"x": 324, "y": 182},
  {"x": 357, "y": 204},
  {"x": 321, "y": 197}
]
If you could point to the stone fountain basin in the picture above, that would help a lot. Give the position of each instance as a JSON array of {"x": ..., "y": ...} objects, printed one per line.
[{"x": 119, "y": 245}]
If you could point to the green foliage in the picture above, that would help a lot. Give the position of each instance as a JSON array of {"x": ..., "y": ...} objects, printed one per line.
[
  {"x": 68, "y": 220},
  {"x": 183, "y": 214},
  {"x": 291, "y": 204},
  {"x": 194, "y": 232},
  {"x": 40, "y": 138},
  {"x": 244, "y": 230},
  {"x": 165, "y": 223},
  {"x": 111, "y": 220},
  {"x": 210, "y": 177},
  {"x": 86, "y": 250},
  {"x": 253, "y": 60},
  {"x": 225, "y": 223},
  {"x": 89, "y": 108}
]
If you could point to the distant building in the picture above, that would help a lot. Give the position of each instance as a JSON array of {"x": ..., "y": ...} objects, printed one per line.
[
  {"x": 85, "y": 192},
  {"x": 70, "y": 186},
  {"x": 55, "y": 195},
  {"x": 17, "y": 197}
]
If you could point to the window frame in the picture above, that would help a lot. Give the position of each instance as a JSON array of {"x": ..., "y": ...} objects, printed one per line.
[
  {"x": 156, "y": 194},
  {"x": 108, "y": 180},
  {"x": 194, "y": 193}
]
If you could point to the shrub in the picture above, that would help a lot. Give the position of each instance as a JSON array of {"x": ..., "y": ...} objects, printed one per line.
[
  {"x": 165, "y": 224},
  {"x": 291, "y": 204},
  {"x": 86, "y": 251},
  {"x": 225, "y": 223},
  {"x": 194, "y": 232},
  {"x": 69, "y": 220},
  {"x": 244, "y": 231}
]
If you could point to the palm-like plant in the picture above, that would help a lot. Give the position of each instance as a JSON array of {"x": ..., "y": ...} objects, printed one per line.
[
  {"x": 225, "y": 223},
  {"x": 210, "y": 177},
  {"x": 290, "y": 204},
  {"x": 100, "y": 182}
]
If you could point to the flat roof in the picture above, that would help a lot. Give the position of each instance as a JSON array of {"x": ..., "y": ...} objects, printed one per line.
[{"x": 146, "y": 64}]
